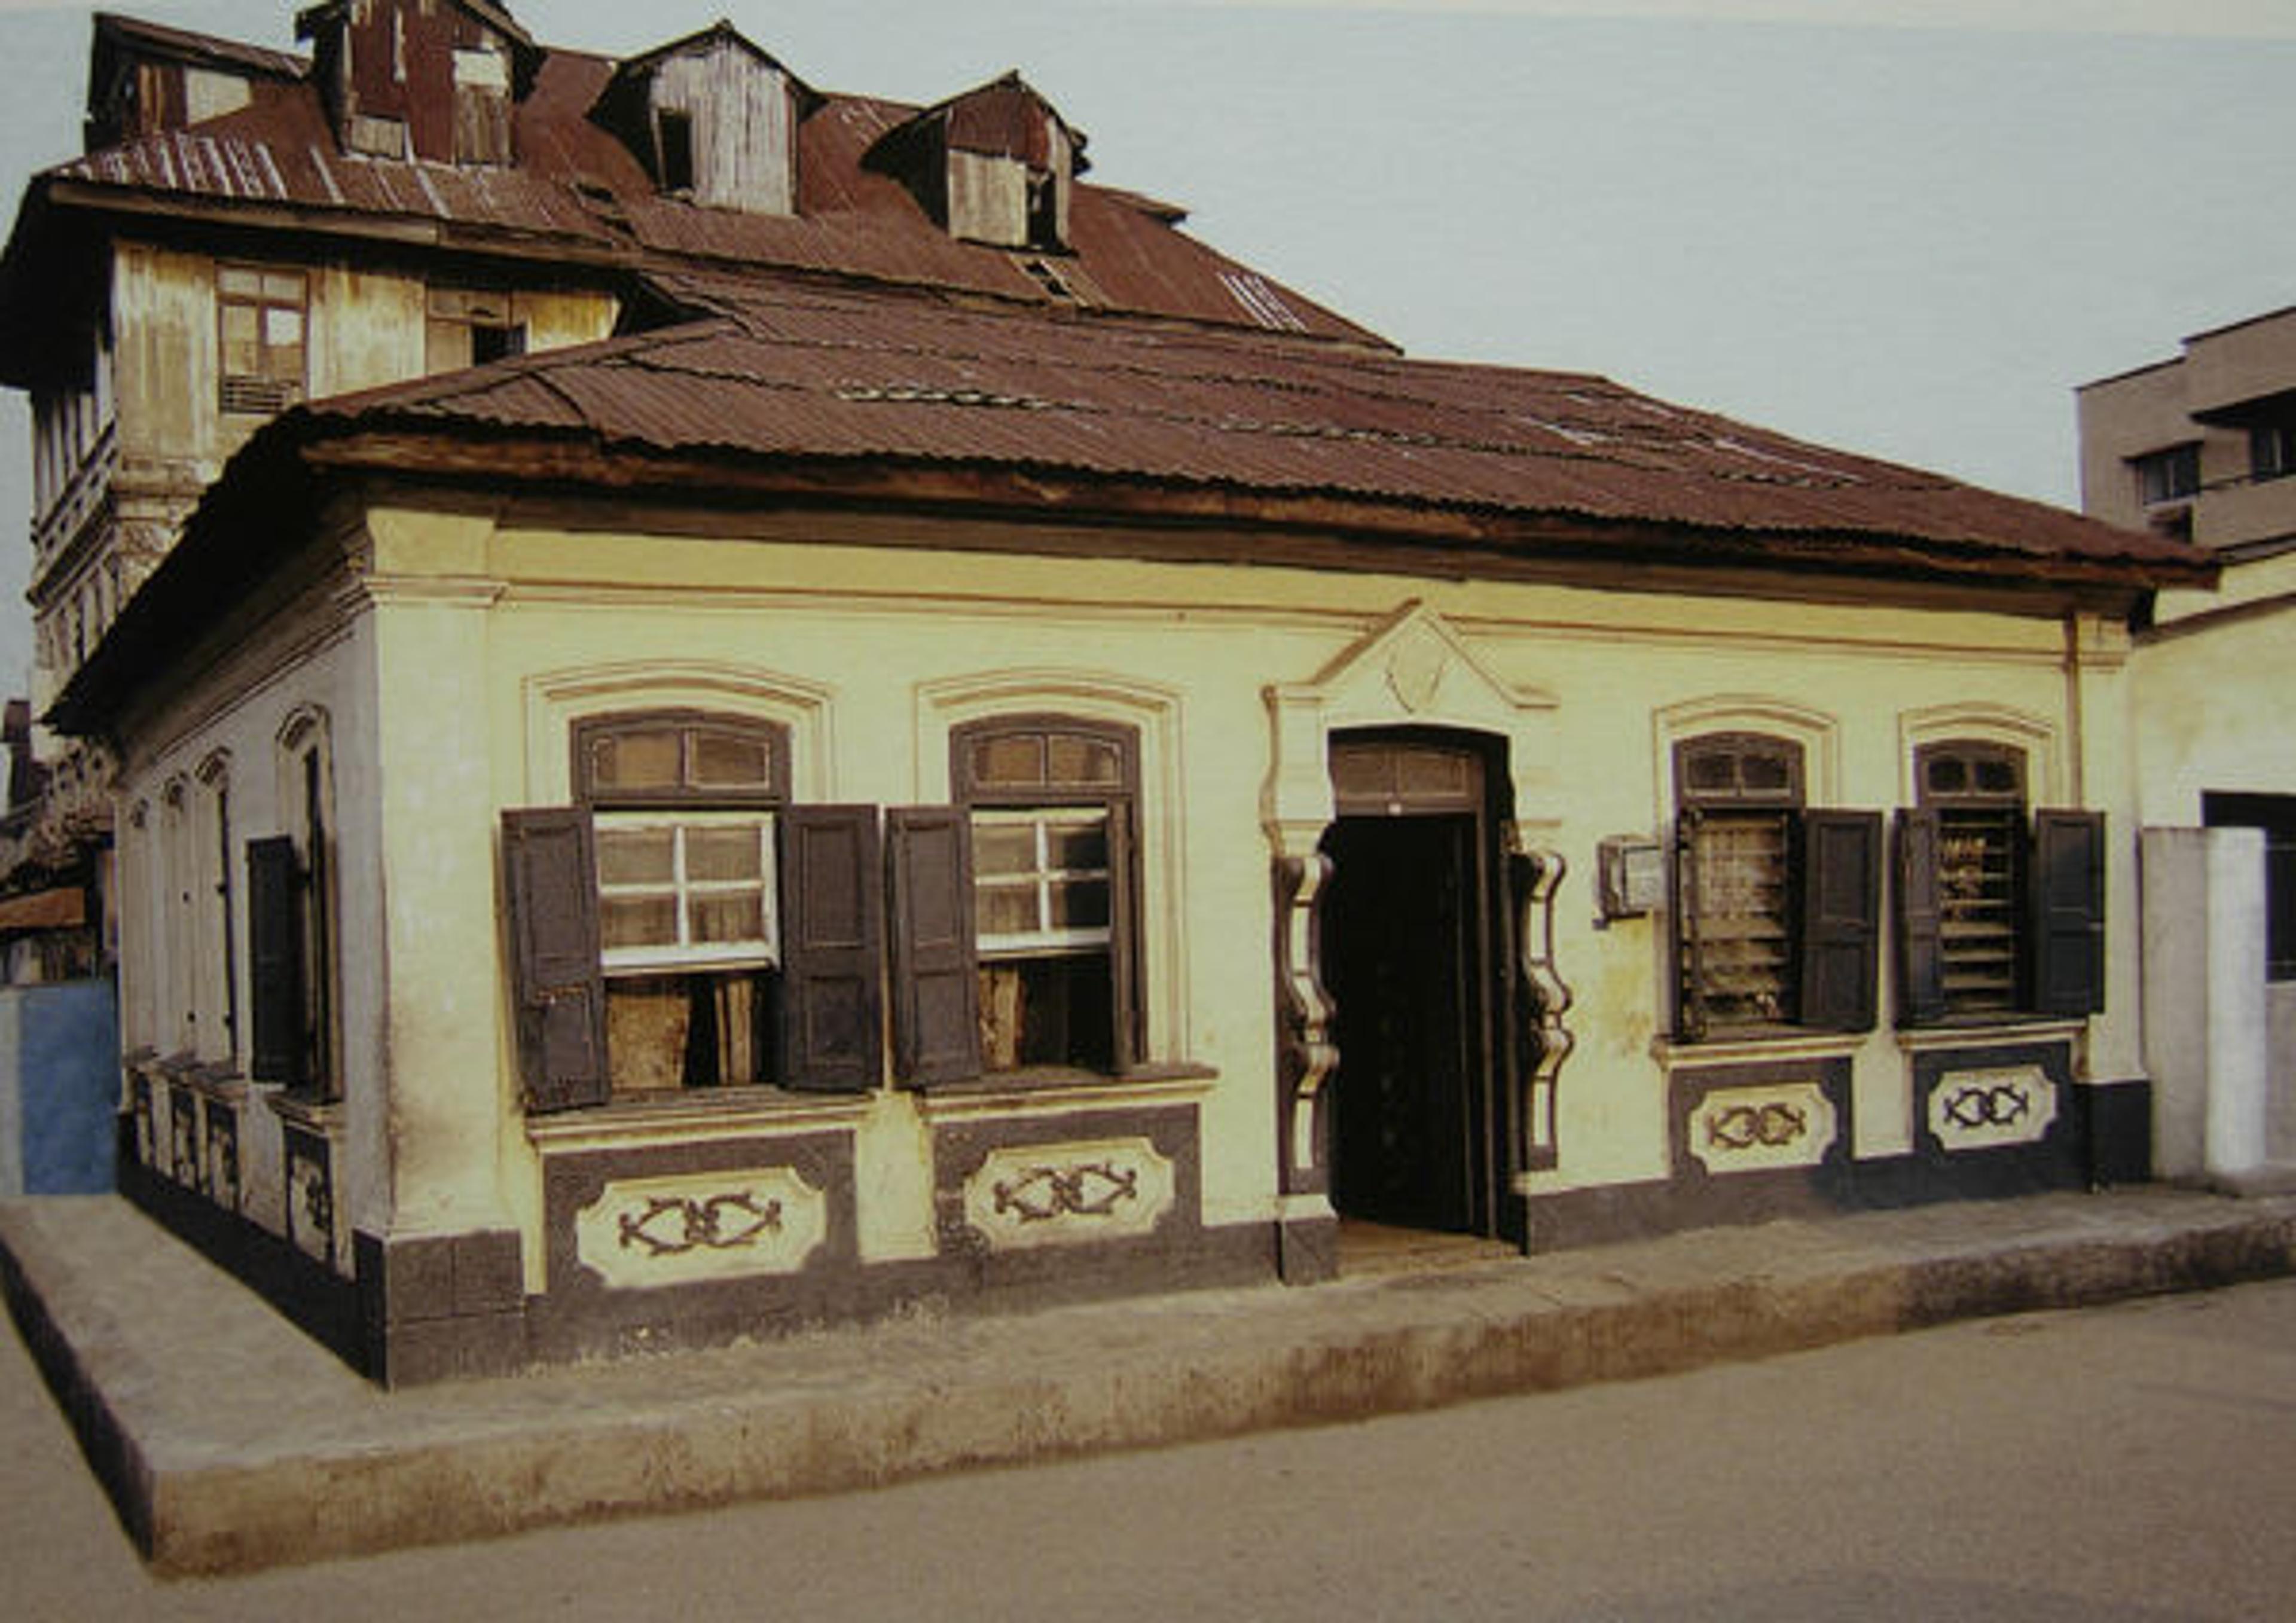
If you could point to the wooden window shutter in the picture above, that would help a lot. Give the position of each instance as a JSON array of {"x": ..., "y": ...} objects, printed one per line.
[
  {"x": 1841, "y": 920},
  {"x": 832, "y": 908},
  {"x": 275, "y": 961},
  {"x": 1689, "y": 969},
  {"x": 1124, "y": 934},
  {"x": 550, "y": 878},
  {"x": 936, "y": 996},
  {"x": 2068, "y": 892},
  {"x": 1921, "y": 957}
]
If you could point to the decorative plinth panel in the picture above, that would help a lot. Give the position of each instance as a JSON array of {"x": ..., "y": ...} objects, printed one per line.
[
  {"x": 310, "y": 1194},
  {"x": 1037, "y": 1195},
  {"x": 643, "y": 1233},
  {"x": 2001, "y": 1118},
  {"x": 1987, "y": 1108},
  {"x": 1753, "y": 1140},
  {"x": 1073, "y": 1193},
  {"x": 1762, "y": 1127}
]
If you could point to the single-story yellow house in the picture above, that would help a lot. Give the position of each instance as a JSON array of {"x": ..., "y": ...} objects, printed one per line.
[{"x": 854, "y": 797}]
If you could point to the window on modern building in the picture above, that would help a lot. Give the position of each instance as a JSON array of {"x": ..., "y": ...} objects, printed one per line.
[
  {"x": 260, "y": 316},
  {"x": 1777, "y": 905},
  {"x": 1998, "y": 915},
  {"x": 293, "y": 950},
  {"x": 2272, "y": 449},
  {"x": 2275, "y": 814},
  {"x": 1054, "y": 804},
  {"x": 2168, "y": 475},
  {"x": 471, "y": 326},
  {"x": 682, "y": 925}
]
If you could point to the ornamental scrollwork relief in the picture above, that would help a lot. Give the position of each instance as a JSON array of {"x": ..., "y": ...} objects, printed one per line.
[
  {"x": 1043, "y": 1194},
  {"x": 669, "y": 1226}
]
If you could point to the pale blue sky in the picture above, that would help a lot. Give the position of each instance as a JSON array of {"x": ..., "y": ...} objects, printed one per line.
[{"x": 1908, "y": 227}]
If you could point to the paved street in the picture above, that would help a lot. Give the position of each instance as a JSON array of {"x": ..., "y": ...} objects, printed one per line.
[{"x": 2128, "y": 1463}]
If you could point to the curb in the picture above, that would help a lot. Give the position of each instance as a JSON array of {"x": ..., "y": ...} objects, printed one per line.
[{"x": 830, "y": 1411}]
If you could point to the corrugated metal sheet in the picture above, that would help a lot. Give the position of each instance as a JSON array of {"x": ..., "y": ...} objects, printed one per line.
[
  {"x": 797, "y": 375},
  {"x": 576, "y": 183}
]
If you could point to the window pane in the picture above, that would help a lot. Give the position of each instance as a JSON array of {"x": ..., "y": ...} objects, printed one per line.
[
  {"x": 1948, "y": 776},
  {"x": 238, "y": 283},
  {"x": 1766, "y": 772},
  {"x": 1074, "y": 846},
  {"x": 284, "y": 285},
  {"x": 1010, "y": 760},
  {"x": 1006, "y": 910},
  {"x": 716, "y": 855},
  {"x": 1996, "y": 777},
  {"x": 637, "y": 856},
  {"x": 281, "y": 328},
  {"x": 738, "y": 917},
  {"x": 1712, "y": 772},
  {"x": 636, "y": 761},
  {"x": 1081, "y": 904},
  {"x": 726, "y": 760},
  {"x": 1003, "y": 848},
  {"x": 1084, "y": 761},
  {"x": 639, "y": 921}
]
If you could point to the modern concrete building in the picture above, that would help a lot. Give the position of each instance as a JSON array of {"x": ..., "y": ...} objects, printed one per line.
[{"x": 2203, "y": 445}]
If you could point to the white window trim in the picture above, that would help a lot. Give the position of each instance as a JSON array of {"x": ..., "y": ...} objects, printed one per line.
[
  {"x": 763, "y": 953},
  {"x": 990, "y": 945}
]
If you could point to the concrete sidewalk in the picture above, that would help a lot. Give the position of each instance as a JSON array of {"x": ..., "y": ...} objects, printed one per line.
[{"x": 228, "y": 1441}]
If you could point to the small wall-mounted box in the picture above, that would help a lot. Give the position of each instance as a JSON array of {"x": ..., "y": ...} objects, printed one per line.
[{"x": 1630, "y": 876}]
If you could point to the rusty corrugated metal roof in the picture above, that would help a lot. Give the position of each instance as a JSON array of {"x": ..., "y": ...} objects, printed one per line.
[
  {"x": 578, "y": 189},
  {"x": 789, "y": 374}
]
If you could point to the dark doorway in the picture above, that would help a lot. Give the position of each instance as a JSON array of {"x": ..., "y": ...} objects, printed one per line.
[{"x": 1407, "y": 933}]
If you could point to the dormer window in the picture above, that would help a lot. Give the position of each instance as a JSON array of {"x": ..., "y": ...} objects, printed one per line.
[
  {"x": 713, "y": 118},
  {"x": 429, "y": 79},
  {"x": 996, "y": 165}
]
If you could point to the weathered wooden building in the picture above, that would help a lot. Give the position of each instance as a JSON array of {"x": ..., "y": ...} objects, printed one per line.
[{"x": 976, "y": 750}]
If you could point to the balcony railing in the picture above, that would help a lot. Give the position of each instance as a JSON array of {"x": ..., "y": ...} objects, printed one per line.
[{"x": 81, "y": 495}]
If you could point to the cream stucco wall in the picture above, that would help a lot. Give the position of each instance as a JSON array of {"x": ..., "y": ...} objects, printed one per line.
[
  {"x": 454, "y": 657},
  {"x": 494, "y": 637}
]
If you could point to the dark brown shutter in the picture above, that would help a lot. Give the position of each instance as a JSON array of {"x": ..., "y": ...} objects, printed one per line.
[
  {"x": 832, "y": 908},
  {"x": 1920, "y": 958},
  {"x": 274, "y": 960},
  {"x": 1124, "y": 933},
  {"x": 1841, "y": 921},
  {"x": 2068, "y": 912},
  {"x": 936, "y": 997},
  {"x": 1689, "y": 967},
  {"x": 550, "y": 881}
]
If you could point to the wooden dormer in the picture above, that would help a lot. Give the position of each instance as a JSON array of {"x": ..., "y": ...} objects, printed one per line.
[
  {"x": 713, "y": 118},
  {"x": 996, "y": 165},
  {"x": 428, "y": 80}
]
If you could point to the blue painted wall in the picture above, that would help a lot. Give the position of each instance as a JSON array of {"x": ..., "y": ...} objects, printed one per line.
[{"x": 59, "y": 1087}]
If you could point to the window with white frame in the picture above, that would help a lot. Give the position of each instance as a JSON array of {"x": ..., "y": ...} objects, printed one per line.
[{"x": 1051, "y": 804}]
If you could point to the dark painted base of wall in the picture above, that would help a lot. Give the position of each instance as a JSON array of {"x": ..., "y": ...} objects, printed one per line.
[
  {"x": 2104, "y": 1139},
  {"x": 321, "y": 1302}
]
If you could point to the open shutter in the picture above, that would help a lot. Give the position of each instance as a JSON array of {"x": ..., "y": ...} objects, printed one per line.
[
  {"x": 1920, "y": 954},
  {"x": 274, "y": 960},
  {"x": 832, "y": 909},
  {"x": 550, "y": 881},
  {"x": 1124, "y": 933},
  {"x": 1689, "y": 967},
  {"x": 936, "y": 997},
  {"x": 1841, "y": 921},
  {"x": 2068, "y": 890}
]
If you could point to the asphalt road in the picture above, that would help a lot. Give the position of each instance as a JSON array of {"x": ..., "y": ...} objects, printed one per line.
[{"x": 2117, "y": 1464}]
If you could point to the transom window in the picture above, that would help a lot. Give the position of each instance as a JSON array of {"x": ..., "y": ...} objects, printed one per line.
[{"x": 260, "y": 316}]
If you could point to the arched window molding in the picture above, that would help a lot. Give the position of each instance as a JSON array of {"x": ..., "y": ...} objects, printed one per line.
[
  {"x": 2047, "y": 782},
  {"x": 557, "y": 702}
]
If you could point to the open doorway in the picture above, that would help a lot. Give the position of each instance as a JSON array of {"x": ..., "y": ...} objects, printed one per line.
[{"x": 1411, "y": 937}]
